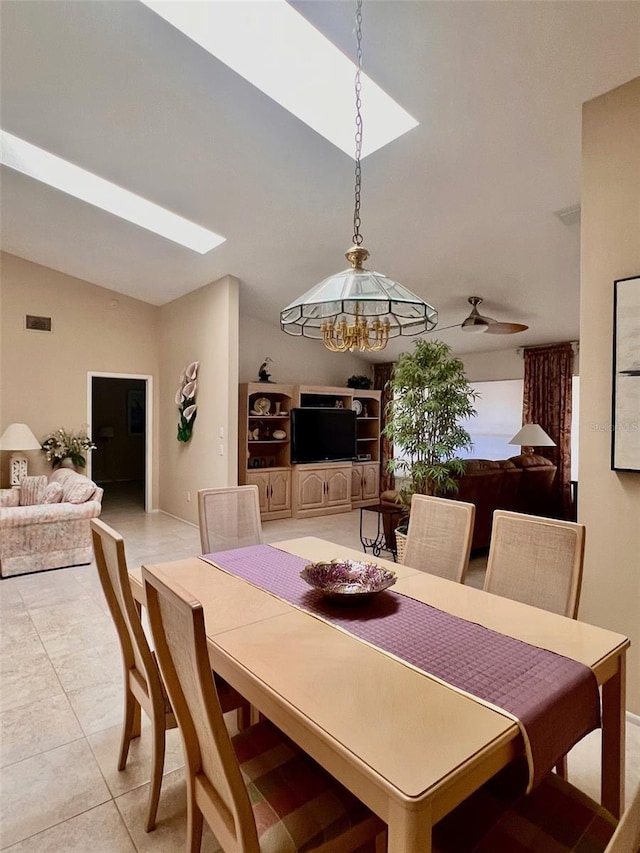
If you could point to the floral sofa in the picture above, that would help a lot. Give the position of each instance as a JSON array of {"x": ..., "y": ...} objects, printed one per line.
[{"x": 44, "y": 524}]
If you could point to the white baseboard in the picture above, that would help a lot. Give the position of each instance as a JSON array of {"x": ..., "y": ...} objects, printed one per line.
[
  {"x": 177, "y": 517},
  {"x": 634, "y": 719}
]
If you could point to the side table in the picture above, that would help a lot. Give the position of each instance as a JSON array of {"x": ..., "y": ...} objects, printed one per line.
[{"x": 388, "y": 518}]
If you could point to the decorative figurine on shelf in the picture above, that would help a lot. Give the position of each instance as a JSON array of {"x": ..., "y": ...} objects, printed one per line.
[{"x": 263, "y": 373}]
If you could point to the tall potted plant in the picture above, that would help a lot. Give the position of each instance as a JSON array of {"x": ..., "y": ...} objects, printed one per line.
[{"x": 431, "y": 398}]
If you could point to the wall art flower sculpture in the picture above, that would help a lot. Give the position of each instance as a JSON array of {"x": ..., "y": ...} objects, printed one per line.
[{"x": 186, "y": 401}]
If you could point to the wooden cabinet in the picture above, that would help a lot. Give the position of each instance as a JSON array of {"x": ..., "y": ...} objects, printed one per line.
[
  {"x": 321, "y": 489},
  {"x": 264, "y": 451},
  {"x": 264, "y": 444},
  {"x": 274, "y": 490},
  {"x": 365, "y": 483}
]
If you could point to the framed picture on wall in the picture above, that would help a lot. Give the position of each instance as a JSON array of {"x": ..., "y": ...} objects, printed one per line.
[
  {"x": 625, "y": 426},
  {"x": 136, "y": 403}
]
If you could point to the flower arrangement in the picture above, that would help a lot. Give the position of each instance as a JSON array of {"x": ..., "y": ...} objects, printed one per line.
[
  {"x": 186, "y": 401},
  {"x": 61, "y": 445}
]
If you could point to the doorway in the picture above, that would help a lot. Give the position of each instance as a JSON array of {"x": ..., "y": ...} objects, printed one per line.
[{"x": 119, "y": 407}]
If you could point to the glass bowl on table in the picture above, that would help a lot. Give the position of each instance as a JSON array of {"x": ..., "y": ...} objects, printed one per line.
[{"x": 348, "y": 581}]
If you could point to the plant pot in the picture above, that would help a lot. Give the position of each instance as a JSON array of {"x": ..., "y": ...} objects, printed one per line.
[{"x": 401, "y": 544}]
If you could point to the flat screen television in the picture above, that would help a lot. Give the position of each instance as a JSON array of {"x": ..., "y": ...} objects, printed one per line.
[{"x": 322, "y": 435}]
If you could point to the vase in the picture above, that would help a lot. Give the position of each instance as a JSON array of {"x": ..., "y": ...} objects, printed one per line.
[{"x": 67, "y": 462}]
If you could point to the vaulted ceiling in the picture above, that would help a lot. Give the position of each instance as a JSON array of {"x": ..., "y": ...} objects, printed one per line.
[{"x": 462, "y": 205}]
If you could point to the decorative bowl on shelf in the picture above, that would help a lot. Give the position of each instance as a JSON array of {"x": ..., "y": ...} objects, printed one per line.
[
  {"x": 279, "y": 434},
  {"x": 348, "y": 580},
  {"x": 262, "y": 405}
]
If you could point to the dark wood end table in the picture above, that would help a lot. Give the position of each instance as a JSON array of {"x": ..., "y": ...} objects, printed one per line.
[{"x": 389, "y": 517}]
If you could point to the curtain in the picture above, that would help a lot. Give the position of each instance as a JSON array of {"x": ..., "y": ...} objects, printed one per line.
[
  {"x": 548, "y": 376},
  {"x": 381, "y": 377}
]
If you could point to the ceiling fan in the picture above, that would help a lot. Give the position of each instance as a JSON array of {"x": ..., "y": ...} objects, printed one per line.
[{"x": 477, "y": 322}]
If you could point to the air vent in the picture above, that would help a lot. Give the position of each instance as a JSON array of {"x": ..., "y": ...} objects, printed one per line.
[
  {"x": 570, "y": 215},
  {"x": 37, "y": 324}
]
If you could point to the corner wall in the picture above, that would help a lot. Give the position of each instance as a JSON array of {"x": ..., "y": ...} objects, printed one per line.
[
  {"x": 608, "y": 501},
  {"x": 201, "y": 326},
  {"x": 295, "y": 360},
  {"x": 44, "y": 375}
]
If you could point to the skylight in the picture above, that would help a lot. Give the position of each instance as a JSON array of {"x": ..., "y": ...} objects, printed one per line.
[
  {"x": 277, "y": 50},
  {"x": 43, "y": 166}
]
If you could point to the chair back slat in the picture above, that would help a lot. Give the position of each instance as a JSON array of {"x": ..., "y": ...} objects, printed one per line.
[
  {"x": 439, "y": 536},
  {"x": 537, "y": 561},
  {"x": 177, "y": 625},
  {"x": 114, "y": 577},
  {"x": 229, "y": 518}
]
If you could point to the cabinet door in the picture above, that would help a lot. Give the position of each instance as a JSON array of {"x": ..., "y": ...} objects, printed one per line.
[
  {"x": 311, "y": 489},
  {"x": 262, "y": 482},
  {"x": 338, "y": 487},
  {"x": 356, "y": 483},
  {"x": 370, "y": 481},
  {"x": 280, "y": 491}
]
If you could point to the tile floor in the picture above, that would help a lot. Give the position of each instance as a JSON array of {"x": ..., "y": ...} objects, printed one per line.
[{"x": 61, "y": 696}]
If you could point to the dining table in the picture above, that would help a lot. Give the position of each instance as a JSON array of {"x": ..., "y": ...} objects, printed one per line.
[{"x": 410, "y": 745}]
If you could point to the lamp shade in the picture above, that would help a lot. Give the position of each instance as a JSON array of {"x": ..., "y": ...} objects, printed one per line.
[
  {"x": 355, "y": 293},
  {"x": 19, "y": 437},
  {"x": 532, "y": 435}
]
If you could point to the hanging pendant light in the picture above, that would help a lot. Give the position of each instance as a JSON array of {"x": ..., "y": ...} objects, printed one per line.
[{"x": 357, "y": 308}]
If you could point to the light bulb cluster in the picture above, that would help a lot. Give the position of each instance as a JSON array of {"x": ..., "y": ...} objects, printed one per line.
[{"x": 360, "y": 335}]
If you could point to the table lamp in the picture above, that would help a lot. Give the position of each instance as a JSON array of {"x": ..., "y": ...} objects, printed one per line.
[
  {"x": 18, "y": 437},
  {"x": 530, "y": 436}
]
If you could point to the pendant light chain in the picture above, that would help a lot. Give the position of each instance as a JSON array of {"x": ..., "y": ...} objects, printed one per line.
[
  {"x": 357, "y": 309},
  {"x": 357, "y": 236}
]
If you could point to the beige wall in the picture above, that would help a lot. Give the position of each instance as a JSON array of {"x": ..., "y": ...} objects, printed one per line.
[
  {"x": 295, "y": 360},
  {"x": 609, "y": 502},
  {"x": 43, "y": 382},
  {"x": 490, "y": 366},
  {"x": 500, "y": 364},
  {"x": 201, "y": 326},
  {"x": 43, "y": 377}
]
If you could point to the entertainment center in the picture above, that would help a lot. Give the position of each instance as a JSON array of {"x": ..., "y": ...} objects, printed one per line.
[{"x": 310, "y": 449}]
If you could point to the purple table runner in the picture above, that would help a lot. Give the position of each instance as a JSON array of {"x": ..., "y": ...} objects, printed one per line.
[{"x": 555, "y": 699}]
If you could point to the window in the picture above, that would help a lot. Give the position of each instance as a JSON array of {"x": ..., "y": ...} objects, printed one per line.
[{"x": 499, "y": 408}]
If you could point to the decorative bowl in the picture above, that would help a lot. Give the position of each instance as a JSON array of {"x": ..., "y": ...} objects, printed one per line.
[
  {"x": 348, "y": 580},
  {"x": 262, "y": 405}
]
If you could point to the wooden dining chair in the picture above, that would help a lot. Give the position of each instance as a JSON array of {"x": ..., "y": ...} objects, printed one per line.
[
  {"x": 439, "y": 536},
  {"x": 143, "y": 686},
  {"x": 257, "y": 791},
  {"x": 229, "y": 518},
  {"x": 554, "y": 816},
  {"x": 537, "y": 561},
  {"x": 626, "y": 838}
]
